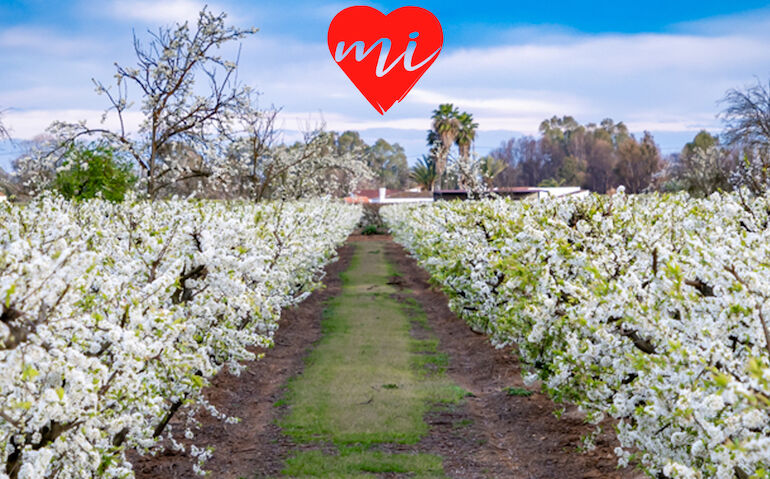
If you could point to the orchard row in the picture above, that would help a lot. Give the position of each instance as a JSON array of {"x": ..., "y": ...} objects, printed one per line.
[
  {"x": 113, "y": 318},
  {"x": 651, "y": 309}
]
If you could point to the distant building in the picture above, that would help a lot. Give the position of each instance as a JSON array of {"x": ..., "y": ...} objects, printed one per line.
[
  {"x": 516, "y": 192},
  {"x": 386, "y": 196},
  {"x": 415, "y": 195}
]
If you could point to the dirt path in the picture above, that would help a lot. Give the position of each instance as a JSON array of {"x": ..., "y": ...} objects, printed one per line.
[
  {"x": 358, "y": 408},
  {"x": 489, "y": 435},
  {"x": 523, "y": 437}
]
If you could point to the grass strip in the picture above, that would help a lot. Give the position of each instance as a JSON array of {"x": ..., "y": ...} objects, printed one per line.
[{"x": 367, "y": 381}]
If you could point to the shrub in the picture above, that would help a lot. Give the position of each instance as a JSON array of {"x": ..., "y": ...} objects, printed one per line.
[{"x": 90, "y": 171}]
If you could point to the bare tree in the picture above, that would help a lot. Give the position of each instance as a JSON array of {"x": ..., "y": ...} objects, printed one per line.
[
  {"x": 315, "y": 166},
  {"x": 706, "y": 170},
  {"x": 703, "y": 166},
  {"x": 747, "y": 116},
  {"x": 174, "y": 109},
  {"x": 249, "y": 152},
  {"x": 5, "y": 179},
  {"x": 525, "y": 159},
  {"x": 747, "y": 128}
]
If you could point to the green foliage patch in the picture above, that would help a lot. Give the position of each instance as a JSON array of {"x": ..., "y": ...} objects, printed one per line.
[{"x": 94, "y": 170}]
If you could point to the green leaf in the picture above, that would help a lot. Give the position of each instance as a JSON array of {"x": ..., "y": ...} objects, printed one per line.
[
  {"x": 29, "y": 373},
  {"x": 8, "y": 294}
]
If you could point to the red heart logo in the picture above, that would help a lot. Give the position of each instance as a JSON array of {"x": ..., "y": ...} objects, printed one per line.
[{"x": 384, "y": 55}]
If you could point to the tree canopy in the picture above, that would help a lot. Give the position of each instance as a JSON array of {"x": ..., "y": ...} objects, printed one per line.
[
  {"x": 92, "y": 171},
  {"x": 598, "y": 157}
]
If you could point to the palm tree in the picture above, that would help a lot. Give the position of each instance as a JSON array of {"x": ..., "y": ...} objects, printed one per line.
[
  {"x": 446, "y": 127},
  {"x": 424, "y": 173},
  {"x": 466, "y": 134},
  {"x": 490, "y": 168}
]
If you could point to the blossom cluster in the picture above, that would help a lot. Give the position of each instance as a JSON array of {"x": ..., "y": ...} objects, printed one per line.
[
  {"x": 650, "y": 309},
  {"x": 113, "y": 318}
]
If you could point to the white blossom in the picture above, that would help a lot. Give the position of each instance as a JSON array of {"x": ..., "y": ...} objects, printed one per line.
[
  {"x": 651, "y": 309},
  {"x": 115, "y": 313}
]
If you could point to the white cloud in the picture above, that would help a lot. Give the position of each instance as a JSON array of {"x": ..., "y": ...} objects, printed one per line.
[
  {"x": 659, "y": 82},
  {"x": 41, "y": 41},
  {"x": 749, "y": 22},
  {"x": 51, "y": 97},
  {"x": 157, "y": 11},
  {"x": 524, "y": 102},
  {"x": 665, "y": 82},
  {"x": 598, "y": 58},
  {"x": 27, "y": 124},
  {"x": 645, "y": 120},
  {"x": 293, "y": 121}
]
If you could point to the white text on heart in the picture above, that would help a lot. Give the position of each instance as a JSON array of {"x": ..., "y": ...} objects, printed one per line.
[{"x": 362, "y": 52}]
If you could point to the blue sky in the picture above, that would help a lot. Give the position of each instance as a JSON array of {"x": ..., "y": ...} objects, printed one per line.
[{"x": 658, "y": 66}]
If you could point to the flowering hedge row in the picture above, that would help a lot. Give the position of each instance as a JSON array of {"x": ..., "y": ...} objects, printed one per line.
[
  {"x": 114, "y": 317},
  {"x": 652, "y": 309}
]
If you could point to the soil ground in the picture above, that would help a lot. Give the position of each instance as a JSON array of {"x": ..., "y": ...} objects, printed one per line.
[{"x": 490, "y": 434}]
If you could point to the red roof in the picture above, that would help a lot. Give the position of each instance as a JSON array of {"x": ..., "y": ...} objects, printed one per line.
[{"x": 371, "y": 194}]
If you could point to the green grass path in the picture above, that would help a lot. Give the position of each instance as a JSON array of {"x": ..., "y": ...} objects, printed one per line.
[{"x": 367, "y": 382}]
